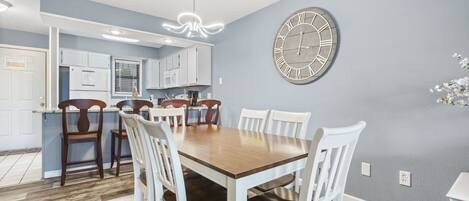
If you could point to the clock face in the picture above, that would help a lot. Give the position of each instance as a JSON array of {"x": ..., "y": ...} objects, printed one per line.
[{"x": 305, "y": 45}]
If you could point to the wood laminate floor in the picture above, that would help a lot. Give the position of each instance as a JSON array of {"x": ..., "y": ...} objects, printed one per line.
[{"x": 85, "y": 186}]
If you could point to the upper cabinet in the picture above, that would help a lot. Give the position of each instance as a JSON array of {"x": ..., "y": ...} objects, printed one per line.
[
  {"x": 97, "y": 60},
  {"x": 188, "y": 67},
  {"x": 79, "y": 58},
  {"x": 152, "y": 74},
  {"x": 73, "y": 58},
  {"x": 199, "y": 66}
]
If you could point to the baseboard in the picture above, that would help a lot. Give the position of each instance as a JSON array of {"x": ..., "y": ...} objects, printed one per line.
[
  {"x": 351, "y": 198},
  {"x": 57, "y": 173}
]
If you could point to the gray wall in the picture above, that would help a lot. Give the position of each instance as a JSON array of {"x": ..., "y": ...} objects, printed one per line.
[
  {"x": 21, "y": 38},
  {"x": 391, "y": 53}
]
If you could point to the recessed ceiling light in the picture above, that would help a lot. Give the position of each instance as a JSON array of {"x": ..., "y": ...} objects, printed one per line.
[
  {"x": 4, "y": 5},
  {"x": 168, "y": 41},
  {"x": 115, "y": 31},
  {"x": 118, "y": 38}
]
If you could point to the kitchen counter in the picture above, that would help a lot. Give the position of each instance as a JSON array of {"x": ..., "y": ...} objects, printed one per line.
[
  {"x": 108, "y": 109},
  {"x": 51, "y": 140}
]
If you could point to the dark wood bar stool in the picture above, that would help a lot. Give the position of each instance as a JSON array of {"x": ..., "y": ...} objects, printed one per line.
[
  {"x": 120, "y": 134},
  {"x": 212, "y": 116},
  {"x": 84, "y": 134},
  {"x": 178, "y": 103}
]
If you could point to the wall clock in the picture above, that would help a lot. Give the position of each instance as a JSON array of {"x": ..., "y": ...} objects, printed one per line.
[{"x": 305, "y": 45}]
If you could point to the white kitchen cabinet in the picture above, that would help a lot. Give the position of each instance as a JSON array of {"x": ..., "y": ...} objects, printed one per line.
[
  {"x": 199, "y": 68},
  {"x": 162, "y": 71},
  {"x": 89, "y": 79},
  {"x": 97, "y": 60},
  {"x": 70, "y": 57},
  {"x": 182, "y": 57},
  {"x": 152, "y": 74},
  {"x": 169, "y": 63},
  {"x": 171, "y": 78}
]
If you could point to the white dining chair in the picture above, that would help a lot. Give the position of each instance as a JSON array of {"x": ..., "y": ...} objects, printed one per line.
[
  {"x": 252, "y": 120},
  {"x": 173, "y": 116},
  {"x": 140, "y": 164},
  {"x": 167, "y": 170},
  {"x": 291, "y": 124},
  {"x": 326, "y": 168}
]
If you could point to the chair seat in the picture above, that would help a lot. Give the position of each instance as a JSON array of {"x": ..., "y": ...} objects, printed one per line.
[
  {"x": 116, "y": 132},
  {"x": 197, "y": 188},
  {"x": 280, "y": 182},
  {"x": 277, "y": 194}
]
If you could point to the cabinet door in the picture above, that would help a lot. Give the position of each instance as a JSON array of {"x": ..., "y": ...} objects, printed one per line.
[
  {"x": 70, "y": 57},
  {"x": 162, "y": 72},
  {"x": 152, "y": 74},
  {"x": 182, "y": 81},
  {"x": 176, "y": 60},
  {"x": 169, "y": 63},
  {"x": 204, "y": 65},
  {"x": 89, "y": 79},
  {"x": 192, "y": 65},
  {"x": 97, "y": 60}
]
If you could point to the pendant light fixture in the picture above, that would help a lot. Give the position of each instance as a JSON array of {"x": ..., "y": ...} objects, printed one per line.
[
  {"x": 4, "y": 5},
  {"x": 191, "y": 25}
]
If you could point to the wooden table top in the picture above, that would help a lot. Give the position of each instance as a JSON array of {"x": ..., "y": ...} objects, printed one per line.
[{"x": 238, "y": 153}]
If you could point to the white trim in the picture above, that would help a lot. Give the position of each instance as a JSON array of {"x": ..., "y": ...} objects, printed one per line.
[
  {"x": 56, "y": 173},
  {"x": 24, "y": 48},
  {"x": 348, "y": 197},
  {"x": 125, "y": 28}
]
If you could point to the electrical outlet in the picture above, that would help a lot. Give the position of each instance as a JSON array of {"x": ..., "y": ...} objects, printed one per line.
[
  {"x": 405, "y": 178},
  {"x": 366, "y": 169}
]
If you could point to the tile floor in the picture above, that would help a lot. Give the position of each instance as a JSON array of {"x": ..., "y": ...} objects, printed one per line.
[{"x": 20, "y": 168}]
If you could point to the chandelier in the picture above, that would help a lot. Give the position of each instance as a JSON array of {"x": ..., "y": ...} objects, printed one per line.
[{"x": 191, "y": 24}]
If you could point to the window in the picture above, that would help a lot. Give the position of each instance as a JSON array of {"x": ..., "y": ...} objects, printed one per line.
[{"x": 126, "y": 76}]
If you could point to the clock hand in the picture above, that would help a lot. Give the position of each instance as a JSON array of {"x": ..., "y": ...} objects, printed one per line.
[{"x": 301, "y": 41}]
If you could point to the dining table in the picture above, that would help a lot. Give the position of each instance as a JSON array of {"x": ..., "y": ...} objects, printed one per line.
[{"x": 237, "y": 159}]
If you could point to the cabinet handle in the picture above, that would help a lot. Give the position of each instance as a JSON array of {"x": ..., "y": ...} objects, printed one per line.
[
  {"x": 88, "y": 85},
  {"x": 89, "y": 71}
]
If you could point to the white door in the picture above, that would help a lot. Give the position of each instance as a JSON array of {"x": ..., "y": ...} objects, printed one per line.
[{"x": 22, "y": 88}]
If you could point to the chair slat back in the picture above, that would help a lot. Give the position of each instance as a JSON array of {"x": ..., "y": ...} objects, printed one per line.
[
  {"x": 136, "y": 138},
  {"x": 164, "y": 159},
  {"x": 135, "y": 105},
  {"x": 213, "y": 106},
  {"x": 328, "y": 162},
  {"x": 83, "y": 123},
  {"x": 291, "y": 124},
  {"x": 173, "y": 116},
  {"x": 253, "y": 120},
  {"x": 177, "y": 103}
]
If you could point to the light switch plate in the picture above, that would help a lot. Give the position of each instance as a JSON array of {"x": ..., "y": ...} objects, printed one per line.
[
  {"x": 366, "y": 169},
  {"x": 220, "y": 80},
  {"x": 405, "y": 178}
]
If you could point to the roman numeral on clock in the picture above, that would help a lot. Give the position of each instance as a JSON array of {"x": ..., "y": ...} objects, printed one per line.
[
  {"x": 324, "y": 43},
  {"x": 278, "y": 50},
  {"x": 321, "y": 59},
  {"x": 323, "y": 27},
  {"x": 280, "y": 61}
]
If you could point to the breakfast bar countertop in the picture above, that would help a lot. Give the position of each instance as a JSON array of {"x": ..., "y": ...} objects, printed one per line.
[{"x": 108, "y": 109}]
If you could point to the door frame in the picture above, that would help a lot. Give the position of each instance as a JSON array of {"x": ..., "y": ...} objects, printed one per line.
[{"x": 46, "y": 69}]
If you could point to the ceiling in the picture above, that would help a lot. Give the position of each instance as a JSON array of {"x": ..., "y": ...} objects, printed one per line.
[
  {"x": 23, "y": 16},
  {"x": 210, "y": 10}
]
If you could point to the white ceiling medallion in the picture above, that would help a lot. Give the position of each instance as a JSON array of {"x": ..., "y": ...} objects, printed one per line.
[{"x": 192, "y": 24}]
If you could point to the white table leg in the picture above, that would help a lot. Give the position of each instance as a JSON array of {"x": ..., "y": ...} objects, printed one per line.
[
  {"x": 297, "y": 182},
  {"x": 236, "y": 191}
]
